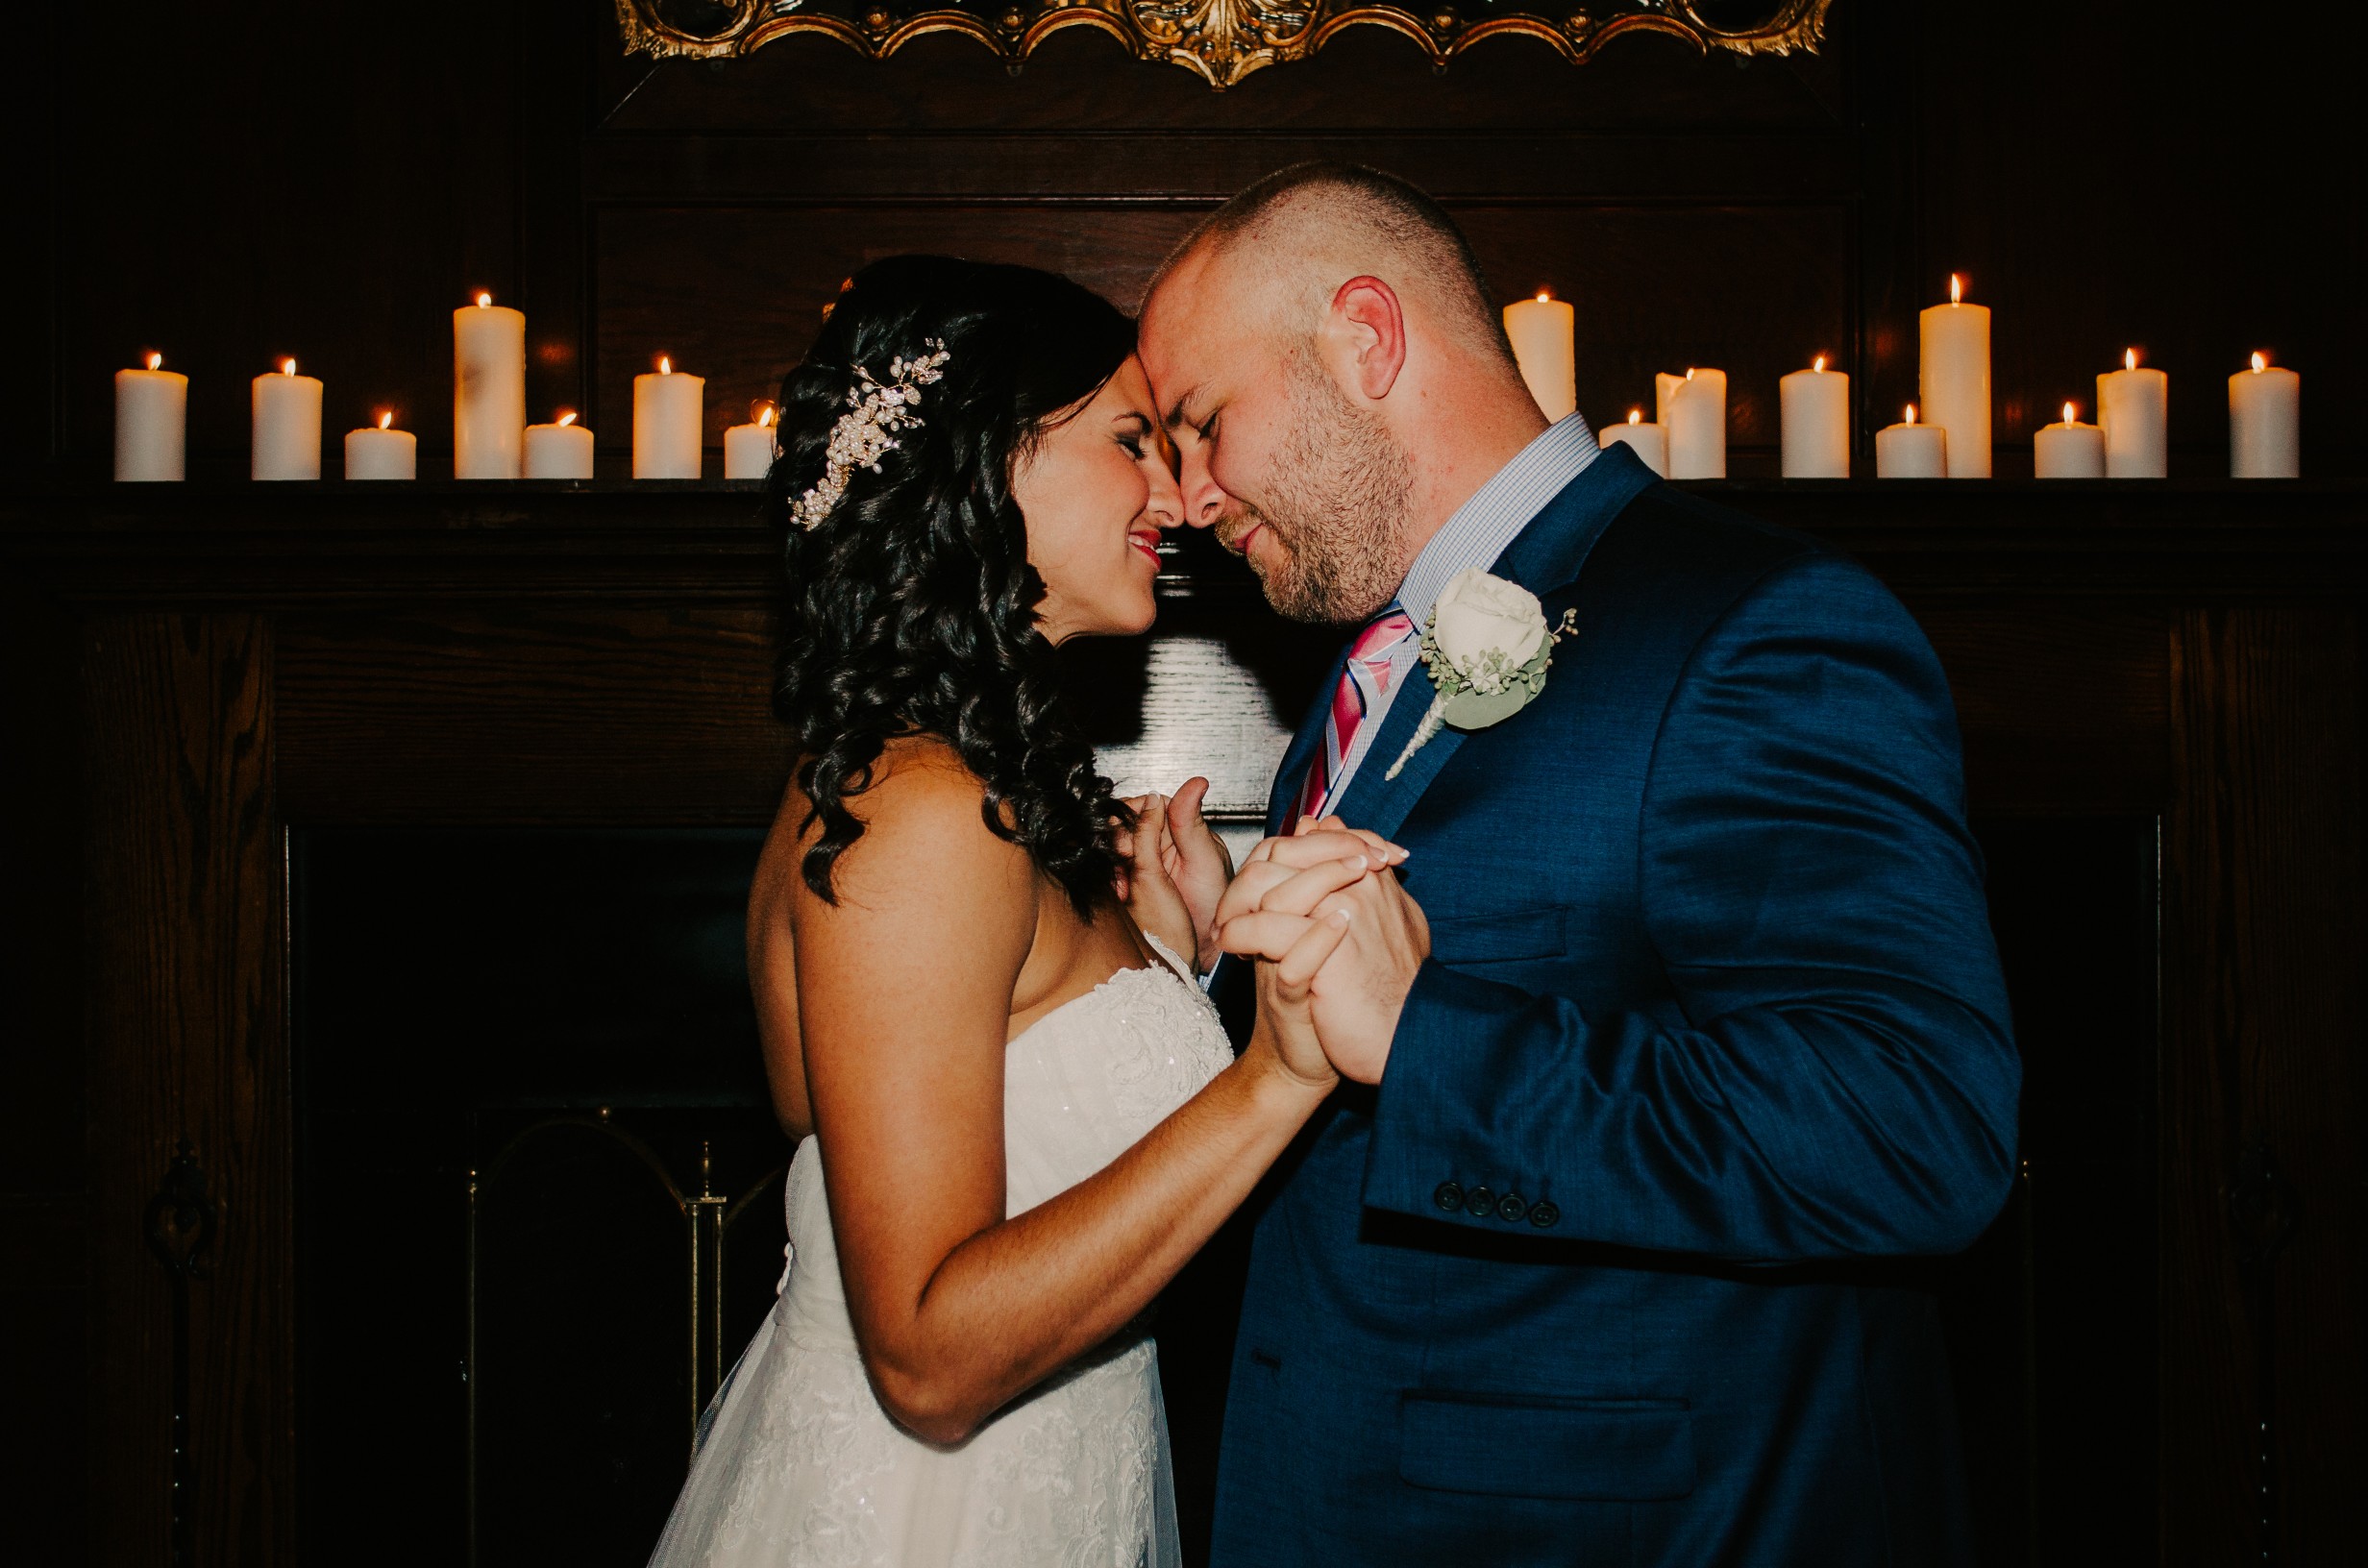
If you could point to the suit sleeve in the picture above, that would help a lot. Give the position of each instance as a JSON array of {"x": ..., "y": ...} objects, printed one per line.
[{"x": 1837, "y": 1076}]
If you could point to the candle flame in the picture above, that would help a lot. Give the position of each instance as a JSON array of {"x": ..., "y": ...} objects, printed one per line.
[
  {"x": 155, "y": 361},
  {"x": 567, "y": 418},
  {"x": 765, "y": 419},
  {"x": 2260, "y": 362},
  {"x": 1911, "y": 419},
  {"x": 2071, "y": 413},
  {"x": 2129, "y": 358},
  {"x": 1818, "y": 363},
  {"x": 288, "y": 367},
  {"x": 1544, "y": 295},
  {"x": 483, "y": 300},
  {"x": 386, "y": 418},
  {"x": 1690, "y": 373},
  {"x": 665, "y": 366},
  {"x": 1957, "y": 289},
  {"x": 1636, "y": 416}
]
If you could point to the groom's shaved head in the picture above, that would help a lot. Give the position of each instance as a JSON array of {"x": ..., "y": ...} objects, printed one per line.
[{"x": 1296, "y": 236}]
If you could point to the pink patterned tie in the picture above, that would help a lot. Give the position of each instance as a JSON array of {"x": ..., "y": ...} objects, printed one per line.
[{"x": 1364, "y": 679}]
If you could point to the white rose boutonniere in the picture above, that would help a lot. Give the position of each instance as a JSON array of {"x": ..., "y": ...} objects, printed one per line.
[{"x": 1487, "y": 647}]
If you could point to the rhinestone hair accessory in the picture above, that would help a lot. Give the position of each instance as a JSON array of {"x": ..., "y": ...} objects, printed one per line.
[{"x": 875, "y": 413}]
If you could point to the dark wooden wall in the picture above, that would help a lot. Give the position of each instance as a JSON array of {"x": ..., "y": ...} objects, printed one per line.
[
  {"x": 234, "y": 184},
  {"x": 328, "y": 181}
]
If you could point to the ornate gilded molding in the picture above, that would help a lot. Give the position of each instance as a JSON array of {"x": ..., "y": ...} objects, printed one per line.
[{"x": 1223, "y": 40}]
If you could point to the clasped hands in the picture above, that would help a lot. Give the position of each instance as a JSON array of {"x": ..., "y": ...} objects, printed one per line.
[{"x": 1336, "y": 939}]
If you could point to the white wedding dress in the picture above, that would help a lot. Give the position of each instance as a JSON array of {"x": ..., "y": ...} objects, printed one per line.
[{"x": 799, "y": 1468}]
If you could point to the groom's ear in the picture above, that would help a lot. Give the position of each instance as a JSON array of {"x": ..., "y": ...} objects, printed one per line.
[{"x": 1365, "y": 337}]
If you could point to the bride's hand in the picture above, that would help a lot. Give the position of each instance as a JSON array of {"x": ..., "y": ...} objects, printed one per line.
[
  {"x": 1198, "y": 864},
  {"x": 1145, "y": 883},
  {"x": 1290, "y": 942}
]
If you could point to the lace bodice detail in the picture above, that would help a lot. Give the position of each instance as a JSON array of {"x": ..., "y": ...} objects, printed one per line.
[{"x": 802, "y": 1466}]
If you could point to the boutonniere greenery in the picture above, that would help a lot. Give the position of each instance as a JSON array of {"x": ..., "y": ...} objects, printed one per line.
[{"x": 1487, "y": 647}]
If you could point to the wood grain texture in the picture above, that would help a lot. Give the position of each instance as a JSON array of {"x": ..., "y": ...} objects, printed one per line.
[
  {"x": 2263, "y": 989},
  {"x": 183, "y": 945}
]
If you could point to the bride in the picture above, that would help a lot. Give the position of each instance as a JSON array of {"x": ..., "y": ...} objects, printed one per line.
[{"x": 1018, "y": 1114}]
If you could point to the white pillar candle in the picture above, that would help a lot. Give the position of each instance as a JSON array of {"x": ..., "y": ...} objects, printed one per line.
[
  {"x": 1645, "y": 437},
  {"x": 1541, "y": 335},
  {"x": 2069, "y": 451},
  {"x": 380, "y": 451},
  {"x": 1955, "y": 380},
  {"x": 2266, "y": 423},
  {"x": 1816, "y": 423},
  {"x": 1910, "y": 451},
  {"x": 287, "y": 426},
  {"x": 2133, "y": 407},
  {"x": 668, "y": 409},
  {"x": 489, "y": 389},
  {"x": 558, "y": 451},
  {"x": 748, "y": 449},
  {"x": 1693, "y": 412},
  {"x": 152, "y": 422}
]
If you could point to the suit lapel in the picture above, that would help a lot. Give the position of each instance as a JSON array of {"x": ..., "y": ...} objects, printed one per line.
[{"x": 1546, "y": 555}]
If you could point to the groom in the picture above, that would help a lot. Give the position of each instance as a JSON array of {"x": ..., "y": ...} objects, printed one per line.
[{"x": 1682, "y": 1019}]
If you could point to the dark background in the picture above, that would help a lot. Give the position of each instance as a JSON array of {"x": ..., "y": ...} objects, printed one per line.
[
  {"x": 228, "y": 185},
  {"x": 234, "y": 184}
]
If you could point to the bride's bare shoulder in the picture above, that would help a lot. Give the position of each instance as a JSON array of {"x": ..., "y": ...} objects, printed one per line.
[{"x": 921, "y": 809}]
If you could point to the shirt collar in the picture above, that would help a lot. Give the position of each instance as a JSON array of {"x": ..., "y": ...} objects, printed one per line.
[{"x": 1479, "y": 531}]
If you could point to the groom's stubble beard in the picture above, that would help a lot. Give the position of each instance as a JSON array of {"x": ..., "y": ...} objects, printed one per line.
[{"x": 1338, "y": 503}]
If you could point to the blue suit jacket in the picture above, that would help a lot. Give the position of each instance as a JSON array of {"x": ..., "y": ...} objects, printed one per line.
[{"x": 1712, "y": 1025}]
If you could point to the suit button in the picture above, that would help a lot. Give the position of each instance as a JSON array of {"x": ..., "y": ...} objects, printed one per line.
[
  {"x": 1510, "y": 1208},
  {"x": 1480, "y": 1201},
  {"x": 1545, "y": 1215},
  {"x": 1448, "y": 1196}
]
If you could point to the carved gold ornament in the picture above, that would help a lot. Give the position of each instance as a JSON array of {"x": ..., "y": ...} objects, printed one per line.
[{"x": 1224, "y": 40}]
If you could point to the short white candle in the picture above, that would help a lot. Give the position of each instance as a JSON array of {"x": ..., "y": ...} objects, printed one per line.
[
  {"x": 2266, "y": 423},
  {"x": 152, "y": 422},
  {"x": 2069, "y": 451},
  {"x": 489, "y": 389},
  {"x": 668, "y": 410},
  {"x": 1541, "y": 335},
  {"x": 380, "y": 451},
  {"x": 1692, "y": 408},
  {"x": 1642, "y": 436},
  {"x": 1816, "y": 423},
  {"x": 1955, "y": 380},
  {"x": 2133, "y": 405},
  {"x": 287, "y": 426},
  {"x": 561, "y": 450},
  {"x": 1910, "y": 451},
  {"x": 748, "y": 449}
]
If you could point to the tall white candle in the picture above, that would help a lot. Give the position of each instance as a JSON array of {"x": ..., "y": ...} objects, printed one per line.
[
  {"x": 1541, "y": 335},
  {"x": 2070, "y": 450},
  {"x": 1910, "y": 451},
  {"x": 380, "y": 451},
  {"x": 1645, "y": 437},
  {"x": 152, "y": 422},
  {"x": 1955, "y": 380},
  {"x": 1693, "y": 410},
  {"x": 1816, "y": 423},
  {"x": 489, "y": 389},
  {"x": 287, "y": 426},
  {"x": 748, "y": 449},
  {"x": 2266, "y": 423},
  {"x": 2133, "y": 407},
  {"x": 668, "y": 409},
  {"x": 561, "y": 450}
]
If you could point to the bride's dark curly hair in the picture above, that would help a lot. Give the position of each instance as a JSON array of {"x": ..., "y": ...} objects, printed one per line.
[{"x": 911, "y": 606}]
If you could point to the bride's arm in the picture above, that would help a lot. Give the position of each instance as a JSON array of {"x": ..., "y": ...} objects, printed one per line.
[{"x": 906, "y": 993}]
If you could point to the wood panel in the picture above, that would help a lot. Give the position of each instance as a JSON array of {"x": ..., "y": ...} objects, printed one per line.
[
  {"x": 2264, "y": 1089},
  {"x": 187, "y": 1045},
  {"x": 515, "y": 715}
]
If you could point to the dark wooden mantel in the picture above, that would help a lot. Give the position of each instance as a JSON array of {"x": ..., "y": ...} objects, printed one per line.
[{"x": 196, "y": 670}]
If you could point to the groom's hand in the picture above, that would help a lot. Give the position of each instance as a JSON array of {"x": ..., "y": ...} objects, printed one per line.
[{"x": 1355, "y": 998}]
